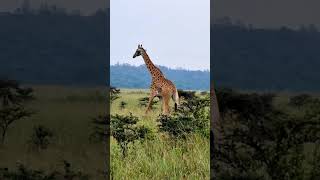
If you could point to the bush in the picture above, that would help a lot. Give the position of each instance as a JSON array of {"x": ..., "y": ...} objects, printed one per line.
[
  {"x": 257, "y": 137},
  {"x": 192, "y": 116},
  {"x": 25, "y": 173},
  {"x": 70, "y": 174},
  {"x": 41, "y": 137},
  {"x": 123, "y": 105},
  {"x": 204, "y": 93},
  {"x": 143, "y": 102},
  {"x": 100, "y": 128},
  {"x": 114, "y": 94},
  {"x": 300, "y": 100},
  {"x": 178, "y": 126},
  {"x": 186, "y": 94},
  {"x": 198, "y": 107},
  {"x": 245, "y": 105},
  {"x": 125, "y": 130}
]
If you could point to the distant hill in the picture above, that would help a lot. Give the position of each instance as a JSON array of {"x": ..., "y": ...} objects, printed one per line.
[{"x": 128, "y": 76}]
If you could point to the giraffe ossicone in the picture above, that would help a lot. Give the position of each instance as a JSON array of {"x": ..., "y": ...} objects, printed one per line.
[{"x": 160, "y": 86}]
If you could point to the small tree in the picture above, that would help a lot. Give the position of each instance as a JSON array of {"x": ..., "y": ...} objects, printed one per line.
[
  {"x": 114, "y": 94},
  {"x": 198, "y": 107},
  {"x": 125, "y": 130},
  {"x": 143, "y": 102},
  {"x": 204, "y": 93},
  {"x": 70, "y": 174},
  {"x": 122, "y": 105},
  {"x": 186, "y": 94},
  {"x": 192, "y": 116},
  {"x": 177, "y": 126},
  {"x": 40, "y": 137},
  {"x": 12, "y": 99},
  {"x": 300, "y": 100},
  {"x": 101, "y": 129}
]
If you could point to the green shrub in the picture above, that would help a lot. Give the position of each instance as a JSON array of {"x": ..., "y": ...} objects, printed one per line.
[
  {"x": 143, "y": 102},
  {"x": 114, "y": 94},
  {"x": 24, "y": 173},
  {"x": 123, "y": 105},
  {"x": 70, "y": 174},
  {"x": 193, "y": 116},
  {"x": 204, "y": 93},
  {"x": 257, "y": 137},
  {"x": 198, "y": 107},
  {"x": 186, "y": 94},
  {"x": 300, "y": 100},
  {"x": 125, "y": 130},
  {"x": 177, "y": 126},
  {"x": 41, "y": 137},
  {"x": 101, "y": 130}
]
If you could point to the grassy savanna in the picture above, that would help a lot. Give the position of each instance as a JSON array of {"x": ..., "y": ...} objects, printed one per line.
[
  {"x": 160, "y": 157},
  {"x": 67, "y": 112}
]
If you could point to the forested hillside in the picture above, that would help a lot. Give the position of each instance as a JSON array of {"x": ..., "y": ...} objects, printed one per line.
[
  {"x": 49, "y": 46},
  {"x": 139, "y": 77},
  {"x": 268, "y": 59}
]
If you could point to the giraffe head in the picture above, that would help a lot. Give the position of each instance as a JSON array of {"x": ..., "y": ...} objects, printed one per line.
[{"x": 139, "y": 51}]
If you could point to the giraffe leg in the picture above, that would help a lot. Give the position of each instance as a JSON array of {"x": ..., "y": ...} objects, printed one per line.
[
  {"x": 165, "y": 104},
  {"x": 152, "y": 95},
  {"x": 149, "y": 104}
]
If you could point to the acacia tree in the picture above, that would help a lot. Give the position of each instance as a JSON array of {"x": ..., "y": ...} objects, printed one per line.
[
  {"x": 125, "y": 131},
  {"x": 12, "y": 109}
]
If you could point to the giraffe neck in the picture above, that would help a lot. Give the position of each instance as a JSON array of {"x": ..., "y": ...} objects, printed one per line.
[{"x": 151, "y": 67}]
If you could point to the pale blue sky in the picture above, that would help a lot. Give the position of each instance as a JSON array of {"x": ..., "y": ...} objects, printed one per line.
[{"x": 175, "y": 33}]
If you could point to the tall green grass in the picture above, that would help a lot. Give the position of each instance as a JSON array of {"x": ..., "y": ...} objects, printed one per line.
[
  {"x": 68, "y": 112},
  {"x": 160, "y": 158}
]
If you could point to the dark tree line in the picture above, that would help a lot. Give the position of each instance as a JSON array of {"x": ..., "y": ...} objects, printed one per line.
[
  {"x": 47, "y": 46},
  {"x": 246, "y": 57}
]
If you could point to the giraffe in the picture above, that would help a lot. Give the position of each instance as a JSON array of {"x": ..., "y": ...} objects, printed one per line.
[{"x": 160, "y": 86}]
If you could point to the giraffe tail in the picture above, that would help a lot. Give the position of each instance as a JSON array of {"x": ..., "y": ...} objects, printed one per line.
[{"x": 176, "y": 100}]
